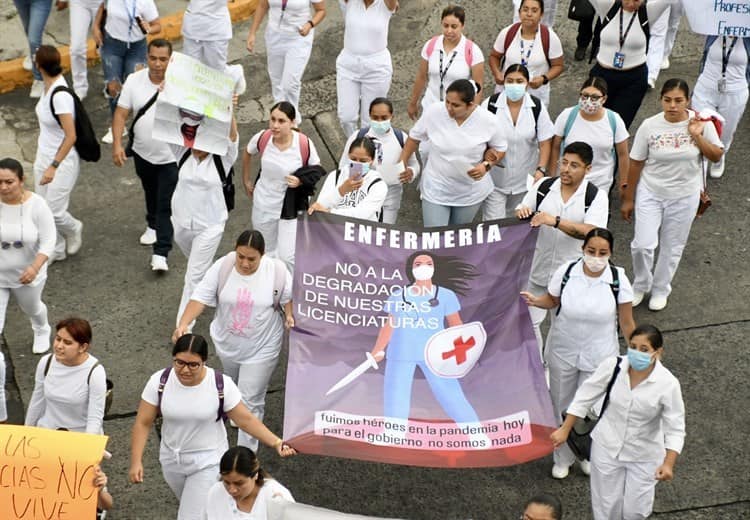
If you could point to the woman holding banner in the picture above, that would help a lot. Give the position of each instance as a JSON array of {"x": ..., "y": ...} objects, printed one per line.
[
  {"x": 193, "y": 402},
  {"x": 591, "y": 296}
]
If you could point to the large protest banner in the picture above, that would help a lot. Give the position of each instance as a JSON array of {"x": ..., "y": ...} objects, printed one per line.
[
  {"x": 195, "y": 107},
  {"x": 722, "y": 17},
  {"x": 461, "y": 384},
  {"x": 48, "y": 473},
  {"x": 280, "y": 509}
]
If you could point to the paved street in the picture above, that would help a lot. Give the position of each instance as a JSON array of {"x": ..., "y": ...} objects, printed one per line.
[{"x": 133, "y": 310}]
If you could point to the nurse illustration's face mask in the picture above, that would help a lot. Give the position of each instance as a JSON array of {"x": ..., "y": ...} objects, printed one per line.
[{"x": 423, "y": 272}]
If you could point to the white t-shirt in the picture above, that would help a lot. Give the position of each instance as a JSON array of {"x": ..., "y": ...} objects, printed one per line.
[
  {"x": 190, "y": 412},
  {"x": 198, "y": 200},
  {"x": 207, "y": 20},
  {"x": 32, "y": 224},
  {"x": 454, "y": 150},
  {"x": 136, "y": 92},
  {"x": 221, "y": 506},
  {"x": 553, "y": 247},
  {"x": 522, "y": 157},
  {"x": 246, "y": 325},
  {"x": 532, "y": 54},
  {"x": 584, "y": 333},
  {"x": 275, "y": 166},
  {"x": 736, "y": 66},
  {"x": 296, "y": 14},
  {"x": 365, "y": 28},
  {"x": 121, "y": 14},
  {"x": 365, "y": 203},
  {"x": 673, "y": 161},
  {"x": 66, "y": 398},
  {"x": 51, "y": 134},
  {"x": 458, "y": 69},
  {"x": 598, "y": 134}
]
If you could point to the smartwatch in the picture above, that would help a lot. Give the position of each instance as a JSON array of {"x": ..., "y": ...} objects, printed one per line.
[
  {"x": 545, "y": 79},
  {"x": 487, "y": 166},
  {"x": 557, "y": 221},
  {"x": 541, "y": 169},
  {"x": 55, "y": 164}
]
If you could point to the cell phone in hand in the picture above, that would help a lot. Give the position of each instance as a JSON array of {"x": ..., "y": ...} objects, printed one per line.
[
  {"x": 139, "y": 21},
  {"x": 355, "y": 170}
]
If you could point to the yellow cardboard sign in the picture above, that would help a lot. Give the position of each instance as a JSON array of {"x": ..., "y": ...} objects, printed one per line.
[{"x": 48, "y": 474}]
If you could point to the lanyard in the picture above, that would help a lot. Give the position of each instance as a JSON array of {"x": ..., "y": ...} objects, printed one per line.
[
  {"x": 630, "y": 24},
  {"x": 525, "y": 61},
  {"x": 131, "y": 17},
  {"x": 442, "y": 72},
  {"x": 283, "y": 10},
  {"x": 725, "y": 55}
]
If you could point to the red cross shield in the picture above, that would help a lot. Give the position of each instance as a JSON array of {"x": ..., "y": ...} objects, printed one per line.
[{"x": 453, "y": 352}]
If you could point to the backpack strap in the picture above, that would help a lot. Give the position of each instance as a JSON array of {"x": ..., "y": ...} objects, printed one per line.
[
  {"x": 611, "y": 14},
  {"x": 568, "y": 125},
  {"x": 543, "y": 189},
  {"x": 227, "y": 263},
  {"x": 219, "y": 379},
  {"x": 399, "y": 137},
  {"x": 59, "y": 88},
  {"x": 160, "y": 391},
  {"x": 142, "y": 111},
  {"x": 615, "y": 285},
  {"x": 643, "y": 20},
  {"x": 536, "y": 110},
  {"x": 183, "y": 159},
  {"x": 374, "y": 182},
  {"x": 88, "y": 379},
  {"x": 544, "y": 33},
  {"x": 564, "y": 282},
  {"x": 336, "y": 178},
  {"x": 279, "y": 281},
  {"x": 48, "y": 364},
  {"x": 492, "y": 103},
  {"x": 304, "y": 149},
  {"x": 469, "y": 52},
  {"x": 263, "y": 141},
  {"x": 220, "y": 168},
  {"x": 512, "y": 31},
  {"x": 363, "y": 132},
  {"x": 610, "y": 385},
  {"x": 431, "y": 46},
  {"x": 588, "y": 199}
]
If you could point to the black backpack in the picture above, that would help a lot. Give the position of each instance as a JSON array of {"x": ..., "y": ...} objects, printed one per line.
[
  {"x": 601, "y": 23},
  {"x": 227, "y": 181},
  {"x": 87, "y": 145},
  {"x": 544, "y": 187}
]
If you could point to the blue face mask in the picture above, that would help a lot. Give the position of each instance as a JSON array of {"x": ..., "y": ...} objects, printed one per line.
[
  {"x": 639, "y": 360},
  {"x": 380, "y": 127},
  {"x": 515, "y": 91}
]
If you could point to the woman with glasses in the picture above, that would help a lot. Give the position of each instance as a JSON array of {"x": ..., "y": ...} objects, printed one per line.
[
  {"x": 244, "y": 488},
  {"x": 193, "y": 400},
  {"x": 27, "y": 238},
  {"x": 600, "y": 127}
]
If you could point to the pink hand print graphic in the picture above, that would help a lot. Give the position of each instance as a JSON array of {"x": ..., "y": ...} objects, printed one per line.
[{"x": 242, "y": 313}]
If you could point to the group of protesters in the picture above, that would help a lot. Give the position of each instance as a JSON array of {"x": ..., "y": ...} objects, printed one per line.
[{"x": 474, "y": 155}]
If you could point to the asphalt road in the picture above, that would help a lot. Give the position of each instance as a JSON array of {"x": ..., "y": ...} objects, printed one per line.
[{"x": 132, "y": 309}]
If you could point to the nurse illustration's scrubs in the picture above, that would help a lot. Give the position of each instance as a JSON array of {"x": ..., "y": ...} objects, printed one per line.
[{"x": 415, "y": 317}]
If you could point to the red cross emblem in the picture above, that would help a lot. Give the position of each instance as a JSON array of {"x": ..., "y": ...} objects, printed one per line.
[{"x": 460, "y": 351}]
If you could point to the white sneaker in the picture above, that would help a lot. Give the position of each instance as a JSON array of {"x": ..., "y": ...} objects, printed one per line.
[
  {"x": 41, "y": 341},
  {"x": 560, "y": 472},
  {"x": 585, "y": 467},
  {"x": 108, "y": 139},
  {"x": 74, "y": 242},
  {"x": 651, "y": 83},
  {"x": 238, "y": 74},
  {"x": 27, "y": 65},
  {"x": 148, "y": 237},
  {"x": 37, "y": 89},
  {"x": 637, "y": 298},
  {"x": 159, "y": 263},
  {"x": 657, "y": 303},
  {"x": 665, "y": 63},
  {"x": 56, "y": 257},
  {"x": 717, "y": 169}
]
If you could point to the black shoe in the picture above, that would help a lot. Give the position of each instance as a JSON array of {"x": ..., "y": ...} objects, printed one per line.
[{"x": 580, "y": 53}]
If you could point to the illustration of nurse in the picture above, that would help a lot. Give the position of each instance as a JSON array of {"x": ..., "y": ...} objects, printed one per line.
[{"x": 415, "y": 314}]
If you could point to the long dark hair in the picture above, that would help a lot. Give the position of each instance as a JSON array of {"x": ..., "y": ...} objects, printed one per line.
[{"x": 450, "y": 271}]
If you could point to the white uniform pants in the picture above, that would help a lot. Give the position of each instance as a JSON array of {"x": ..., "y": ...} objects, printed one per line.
[
  {"x": 252, "y": 379},
  {"x": 210, "y": 52},
  {"x": 564, "y": 380},
  {"x": 280, "y": 234},
  {"x": 288, "y": 55},
  {"x": 57, "y": 194},
  {"x": 659, "y": 222},
  {"x": 550, "y": 8},
  {"x": 392, "y": 203},
  {"x": 621, "y": 490},
  {"x": 190, "y": 477},
  {"x": 661, "y": 42},
  {"x": 199, "y": 247},
  {"x": 537, "y": 316},
  {"x": 29, "y": 298},
  {"x": 82, "y": 15},
  {"x": 500, "y": 205},
  {"x": 731, "y": 105},
  {"x": 359, "y": 80}
]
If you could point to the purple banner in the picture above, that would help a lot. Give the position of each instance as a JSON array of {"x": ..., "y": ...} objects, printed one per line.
[{"x": 413, "y": 346}]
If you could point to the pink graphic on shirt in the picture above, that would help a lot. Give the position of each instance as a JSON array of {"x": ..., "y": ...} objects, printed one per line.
[
  {"x": 679, "y": 139},
  {"x": 242, "y": 313}
]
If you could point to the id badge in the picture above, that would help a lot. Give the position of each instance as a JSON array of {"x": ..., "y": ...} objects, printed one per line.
[
  {"x": 619, "y": 60},
  {"x": 722, "y": 85}
]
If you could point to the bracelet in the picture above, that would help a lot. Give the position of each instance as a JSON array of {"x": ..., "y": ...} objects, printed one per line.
[
  {"x": 545, "y": 79},
  {"x": 55, "y": 163},
  {"x": 312, "y": 24},
  {"x": 277, "y": 444},
  {"x": 557, "y": 221}
]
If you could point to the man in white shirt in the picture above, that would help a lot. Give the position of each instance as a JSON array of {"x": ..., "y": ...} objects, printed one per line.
[
  {"x": 565, "y": 209},
  {"x": 154, "y": 161}
]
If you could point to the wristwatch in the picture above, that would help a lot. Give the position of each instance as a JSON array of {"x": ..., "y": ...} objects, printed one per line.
[
  {"x": 487, "y": 166},
  {"x": 541, "y": 169},
  {"x": 55, "y": 164},
  {"x": 545, "y": 79},
  {"x": 557, "y": 221}
]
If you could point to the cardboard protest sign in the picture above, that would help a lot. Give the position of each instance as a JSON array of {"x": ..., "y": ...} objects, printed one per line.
[
  {"x": 722, "y": 17},
  {"x": 460, "y": 384},
  {"x": 195, "y": 107},
  {"x": 48, "y": 473}
]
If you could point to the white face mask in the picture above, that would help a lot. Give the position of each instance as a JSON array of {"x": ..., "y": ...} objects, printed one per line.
[
  {"x": 423, "y": 272},
  {"x": 596, "y": 263}
]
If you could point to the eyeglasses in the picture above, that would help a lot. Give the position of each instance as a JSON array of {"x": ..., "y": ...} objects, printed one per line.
[
  {"x": 16, "y": 244},
  {"x": 592, "y": 97},
  {"x": 192, "y": 365}
]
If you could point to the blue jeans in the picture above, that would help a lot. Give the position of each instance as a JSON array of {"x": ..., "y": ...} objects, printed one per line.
[
  {"x": 434, "y": 215},
  {"x": 119, "y": 59},
  {"x": 34, "y": 14}
]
